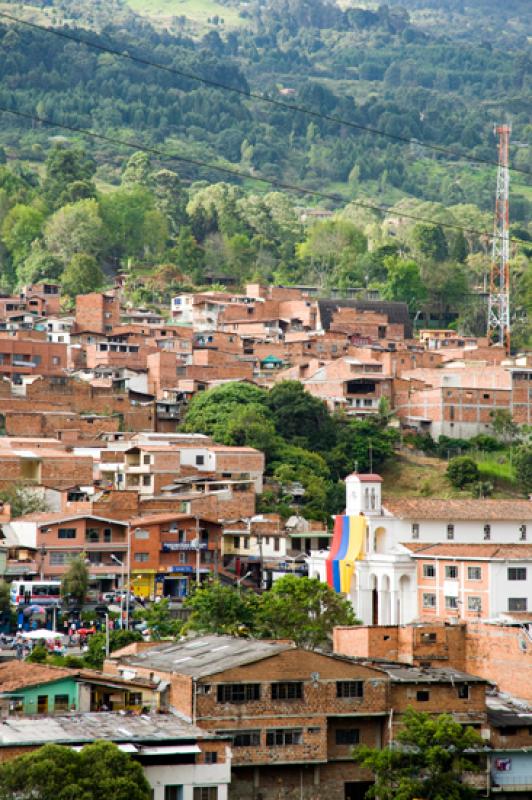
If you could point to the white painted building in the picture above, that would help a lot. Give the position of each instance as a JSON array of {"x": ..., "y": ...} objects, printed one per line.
[{"x": 384, "y": 589}]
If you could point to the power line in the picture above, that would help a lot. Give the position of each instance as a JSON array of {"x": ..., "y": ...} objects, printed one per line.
[
  {"x": 254, "y": 96},
  {"x": 383, "y": 209}
]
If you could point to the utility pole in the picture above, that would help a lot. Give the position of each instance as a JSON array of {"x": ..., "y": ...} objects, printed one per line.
[{"x": 499, "y": 296}]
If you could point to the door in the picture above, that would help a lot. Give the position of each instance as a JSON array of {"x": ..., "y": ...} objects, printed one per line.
[{"x": 356, "y": 790}]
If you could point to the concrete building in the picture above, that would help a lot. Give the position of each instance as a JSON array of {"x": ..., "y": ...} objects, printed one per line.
[{"x": 180, "y": 760}]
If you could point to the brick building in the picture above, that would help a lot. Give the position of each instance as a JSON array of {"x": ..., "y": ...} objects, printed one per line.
[
  {"x": 98, "y": 312},
  {"x": 294, "y": 716},
  {"x": 58, "y": 537},
  {"x": 29, "y": 354},
  {"x": 43, "y": 466},
  {"x": 169, "y": 551}
]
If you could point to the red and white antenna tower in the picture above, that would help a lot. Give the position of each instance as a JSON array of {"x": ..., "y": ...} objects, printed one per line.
[{"x": 499, "y": 297}]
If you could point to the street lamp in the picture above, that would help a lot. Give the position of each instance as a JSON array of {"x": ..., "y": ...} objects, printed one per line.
[
  {"x": 242, "y": 578},
  {"x": 121, "y": 563}
]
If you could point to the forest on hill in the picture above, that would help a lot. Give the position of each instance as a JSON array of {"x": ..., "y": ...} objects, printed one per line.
[{"x": 72, "y": 205}]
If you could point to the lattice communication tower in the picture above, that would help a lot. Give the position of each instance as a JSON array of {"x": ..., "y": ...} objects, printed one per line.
[{"x": 499, "y": 296}]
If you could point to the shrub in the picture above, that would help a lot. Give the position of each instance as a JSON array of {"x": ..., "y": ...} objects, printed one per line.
[{"x": 462, "y": 471}]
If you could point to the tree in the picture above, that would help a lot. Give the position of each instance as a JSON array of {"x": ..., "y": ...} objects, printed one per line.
[
  {"x": 75, "y": 582},
  {"x": 303, "y": 609},
  {"x": 39, "y": 266},
  {"x": 118, "y": 639},
  {"x": 503, "y": 425},
  {"x": 82, "y": 275},
  {"x": 53, "y": 772},
  {"x": 523, "y": 467},
  {"x": 65, "y": 167},
  {"x": 188, "y": 255},
  {"x": 159, "y": 620},
  {"x": 216, "y": 608},
  {"x": 404, "y": 283},
  {"x": 137, "y": 171},
  {"x": 124, "y": 214},
  {"x": 210, "y": 411},
  {"x": 252, "y": 426},
  {"x": 299, "y": 417},
  {"x": 75, "y": 228},
  {"x": 21, "y": 226},
  {"x": 462, "y": 471},
  {"x": 430, "y": 242},
  {"x": 427, "y": 760},
  {"x": 23, "y": 500},
  {"x": 170, "y": 198}
]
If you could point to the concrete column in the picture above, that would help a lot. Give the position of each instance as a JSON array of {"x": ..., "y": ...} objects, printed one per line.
[{"x": 394, "y": 610}]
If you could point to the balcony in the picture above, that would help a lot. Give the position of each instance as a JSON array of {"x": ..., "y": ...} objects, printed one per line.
[{"x": 511, "y": 783}]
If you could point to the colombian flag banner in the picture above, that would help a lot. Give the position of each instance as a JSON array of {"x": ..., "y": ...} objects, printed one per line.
[{"x": 347, "y": 547}]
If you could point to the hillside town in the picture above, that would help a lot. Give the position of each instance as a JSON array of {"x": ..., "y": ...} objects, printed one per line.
[{"x": 97, "y": 467}]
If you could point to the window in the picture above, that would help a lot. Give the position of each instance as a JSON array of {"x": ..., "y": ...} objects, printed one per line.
[
  {"x": 428, "y": 637},
  {"x": 415, "y": 530},
  {"x": 422, "y": 695},
  {"x": 290, "y": 690},
  {"x": 522, "y": 533},
  {"x": 451, "y": 572},
  {"x": 281, "y": 737},
  {"x": 429, "y": 600},
  {"x": 349, "y": 688},
  {"x": 146, "y": 480},
  {"x": 236, "y": 542},
  {"x": 474, "y": 573},
  {"x": 243, "y": 738},
  {"x": 182, "y": 558},
  {"x": 450, "y": 531},
  {"x": 429, "y": 571},
  {"x": 205, "y": 793},
  {"x": 508, "y": 731},
  {"x": 61, "y": 702},
  {"x": 517, "y": 573},
  {"x": 276, "y": 544},
  {"x": 134, "y": 699},
  {"x": 517, "y": 604},
  {"x": 66, "y": 533},
  {"x": 451, "y": 602},
  {"x": 173, "y": 793},
  {"x": 200, "y": 460},
  {"x": 55, "y": 361},
  {"x": 92, "y": 535},
  {"x": 211, "y": 757},
  {"x": 474, "y": 604},
  {"x": 463, "y": 691},
  {"x": 238, "y": 692},
  {"x": 58, "y": 559},
  {"x": 487, "y": 533},
  {"x": 141, "y": 558},
  {"x": 146, "y": 459},
  {"x": 347, "y": 736},
  {"x": 107, "y": 534}
]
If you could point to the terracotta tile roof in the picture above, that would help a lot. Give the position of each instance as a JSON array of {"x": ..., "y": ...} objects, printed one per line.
[
  {"x": 483, "y": 550},
  {"x": 20, "y": 674},
  {"x": 366, "y": 477},
  {"x": 423, "y": 508},
  {"x": 154, "y": 519}
]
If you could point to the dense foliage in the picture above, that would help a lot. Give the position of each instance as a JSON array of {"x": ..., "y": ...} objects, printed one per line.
[
  {"x": 77, "y": 215},
  {"x": 304, "y": 610},
  {"x": 308, "y": 450},
  {"x": 427, "y": 760},
  {"x": 53, "y": 772}
]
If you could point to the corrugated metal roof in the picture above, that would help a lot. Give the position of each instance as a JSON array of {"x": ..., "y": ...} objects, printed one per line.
[{"x": 205, "y": 655}]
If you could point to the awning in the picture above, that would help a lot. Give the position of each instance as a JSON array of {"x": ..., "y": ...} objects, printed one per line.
[{"x": 170, "y": 750}]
